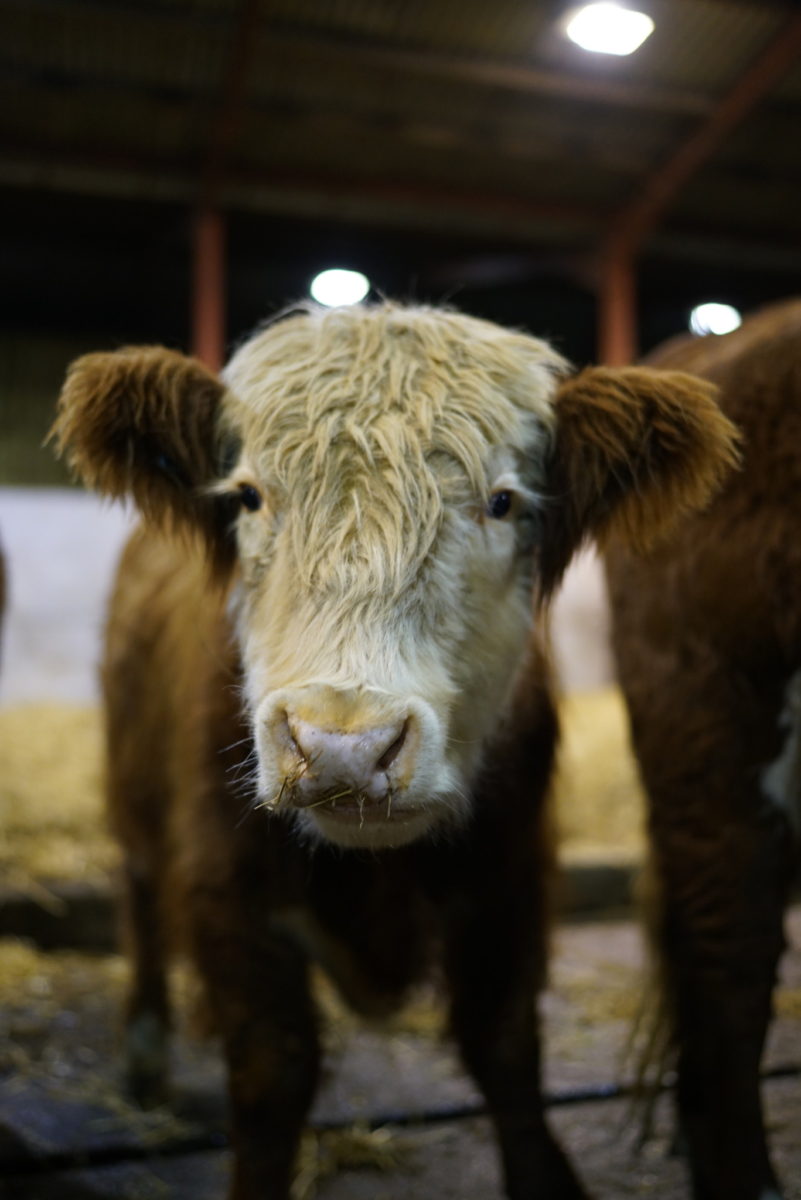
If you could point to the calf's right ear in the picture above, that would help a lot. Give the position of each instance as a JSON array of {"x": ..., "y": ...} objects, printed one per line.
[{"x": 144, "y": 422}]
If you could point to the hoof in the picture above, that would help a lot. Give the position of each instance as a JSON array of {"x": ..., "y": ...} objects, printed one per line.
[{"x": 146, "y": 1060}]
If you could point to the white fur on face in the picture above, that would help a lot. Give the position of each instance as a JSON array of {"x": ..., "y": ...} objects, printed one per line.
[{"x": 375, "y": 586}]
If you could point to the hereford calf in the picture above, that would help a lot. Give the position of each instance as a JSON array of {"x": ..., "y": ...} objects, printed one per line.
[
  {"x": 707, "y": 631},
  {"x": 329, "y": 722}
]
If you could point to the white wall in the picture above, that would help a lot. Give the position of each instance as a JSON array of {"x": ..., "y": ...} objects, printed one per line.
[
  {"x": 580, "y": 627},
  {"x": 60, "y": 548}
]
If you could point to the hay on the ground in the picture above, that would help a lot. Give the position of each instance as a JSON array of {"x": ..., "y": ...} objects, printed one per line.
[
  {"x": 53, "y": 828},
  {"x": 52, "y": 825}
]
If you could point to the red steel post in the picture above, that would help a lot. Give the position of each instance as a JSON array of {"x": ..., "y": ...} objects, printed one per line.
[{"x": 208, "y": 287}]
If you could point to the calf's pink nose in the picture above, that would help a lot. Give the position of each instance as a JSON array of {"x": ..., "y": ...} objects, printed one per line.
[{"x": 356, "y": 760}]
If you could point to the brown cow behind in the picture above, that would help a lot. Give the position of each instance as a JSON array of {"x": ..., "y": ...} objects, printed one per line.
[
  {"x": 707, "y": 633},
  {"x": 330, "y": 729}
]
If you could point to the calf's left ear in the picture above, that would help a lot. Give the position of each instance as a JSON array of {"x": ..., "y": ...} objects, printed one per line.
[{"x": 633, "y": 450}]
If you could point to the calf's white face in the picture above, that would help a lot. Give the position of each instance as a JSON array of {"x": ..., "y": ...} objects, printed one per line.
[
  {"x": 382, "y": 469},
  {"x": 389, "y": 465}
]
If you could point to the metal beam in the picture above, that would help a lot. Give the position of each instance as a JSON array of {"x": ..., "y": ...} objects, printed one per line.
[
  {"x": 383, "y": 204},
  {"x": 208, "y": 287},
  {"x": 112, "y": 171},
  {"x": 477, "y": 71},
  {"x": 227, "y": 120},
  {"x": 632, "y": 223},
  {"x": 617, "y": 316}
]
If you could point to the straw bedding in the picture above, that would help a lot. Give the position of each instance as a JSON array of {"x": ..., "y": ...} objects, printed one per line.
[{"x": 52, "y": 826}]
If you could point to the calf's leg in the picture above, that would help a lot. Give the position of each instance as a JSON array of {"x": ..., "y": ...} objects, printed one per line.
[
  {"x": 261, "y": 1006},
  {"x": 147, "y": 1015},
  {"x": 494, "y": 972},
  {"x": 138, "y": 798}
]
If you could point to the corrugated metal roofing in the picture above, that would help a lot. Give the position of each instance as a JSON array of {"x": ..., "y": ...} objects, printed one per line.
[{"x": 485, "y": 105}]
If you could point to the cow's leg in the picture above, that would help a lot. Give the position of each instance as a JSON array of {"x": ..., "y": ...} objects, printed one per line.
[
  {"x": 723, "y": 850},
  {"x": 147, "y": 1010},
  {"x": 138, "y": 797},
  {"x": 261, "y": 1006},
  {"x": 721, "y": 937},
  {"x": 494, "y": 968}
]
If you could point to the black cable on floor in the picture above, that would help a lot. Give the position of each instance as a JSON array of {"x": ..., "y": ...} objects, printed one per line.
[{"x": 112, "y": 1154}]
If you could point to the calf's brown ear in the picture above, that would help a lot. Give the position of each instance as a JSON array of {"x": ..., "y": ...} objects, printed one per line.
[
  {"x": 633, "y": 450},
  {"x": 144, "y": 422}
]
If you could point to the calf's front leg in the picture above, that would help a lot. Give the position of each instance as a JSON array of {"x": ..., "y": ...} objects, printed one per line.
[
  {"x": 261, "y": 1005},
  {"x": 147, "y": 1017},
  {"x": 493, "y": 963}
]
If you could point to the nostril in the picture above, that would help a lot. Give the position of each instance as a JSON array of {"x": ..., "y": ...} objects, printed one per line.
[
  {"x": 287, "y": 737},
  {"x": 393, "y": 750}
]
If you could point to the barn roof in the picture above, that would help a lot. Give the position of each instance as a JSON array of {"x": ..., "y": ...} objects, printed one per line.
[{"x": 464, "y": 115}]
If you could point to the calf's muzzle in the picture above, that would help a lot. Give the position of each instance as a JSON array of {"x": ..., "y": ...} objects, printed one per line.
[
  {"x": 354, "y": 763},
  {"x": 335, "y": 749}
]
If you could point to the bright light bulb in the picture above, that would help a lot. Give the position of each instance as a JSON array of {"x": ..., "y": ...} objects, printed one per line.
[
  {"x": 714, "y": 318},
  {"x": 338, "y": 286},
  {"x": 607, "y": 28}
]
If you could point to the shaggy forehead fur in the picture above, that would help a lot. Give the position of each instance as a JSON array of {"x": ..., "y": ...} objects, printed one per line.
[{"x": 367, "y": 421}]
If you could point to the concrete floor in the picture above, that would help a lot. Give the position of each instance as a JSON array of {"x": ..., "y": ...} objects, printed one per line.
[{"x": 67, "y": 1133}]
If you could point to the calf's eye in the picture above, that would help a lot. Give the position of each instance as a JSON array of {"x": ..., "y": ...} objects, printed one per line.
[
  {"x": 250, "y": 497},
  {"x": 499, "y": 504}
]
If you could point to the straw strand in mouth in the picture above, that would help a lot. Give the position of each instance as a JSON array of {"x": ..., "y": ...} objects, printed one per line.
[
  {"x": 287, "y": 783},
  {"x": 328, "y": 800},
  {"x": 331, "y": 799}
]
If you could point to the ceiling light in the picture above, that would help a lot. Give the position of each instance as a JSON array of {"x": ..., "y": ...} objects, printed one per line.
[
  {"x": 714, "y": 318},
  {"x": 338, "y": 286},
  {"x": 607, "y": 28}
]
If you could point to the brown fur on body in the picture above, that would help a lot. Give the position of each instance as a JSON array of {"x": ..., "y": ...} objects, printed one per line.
[
  {"x": 418, "y": 408},
  {"x": 707, "y": 633}
]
